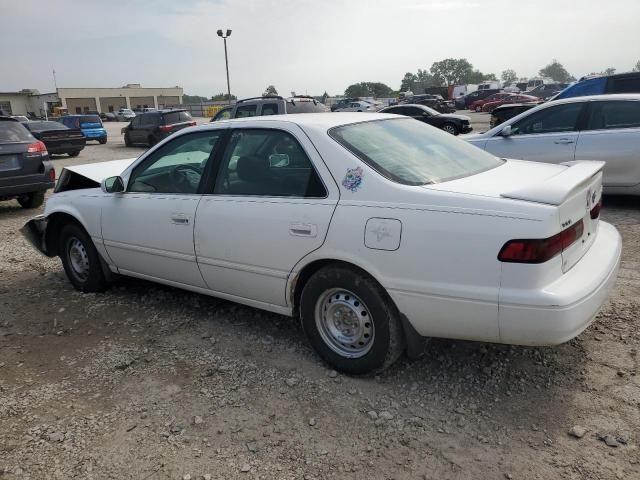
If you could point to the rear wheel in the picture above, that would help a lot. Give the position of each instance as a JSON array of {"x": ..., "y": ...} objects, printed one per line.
[
  {"x": 102, "y": 140},
  {"x": 80, "y": 259},
  {"x": 127, "y": 140},
  {"x": 450, "y": 128},
  {"x": 350, "y": 321},
  {"x": 73, "y": 154},
  {"x": 31, "y": 200},
  {"x": 151, "y": 141},
  {"x": 478, "y": 109}
]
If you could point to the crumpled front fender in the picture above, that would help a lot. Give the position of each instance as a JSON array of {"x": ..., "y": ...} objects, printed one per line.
[{"x": 34, "y": 231}]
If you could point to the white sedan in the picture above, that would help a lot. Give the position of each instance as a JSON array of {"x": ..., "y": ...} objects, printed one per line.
[{"x": 375, "y": 230}]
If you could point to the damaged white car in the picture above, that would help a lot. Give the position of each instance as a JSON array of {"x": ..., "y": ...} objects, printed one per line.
[{"x": 375, "y": 230}]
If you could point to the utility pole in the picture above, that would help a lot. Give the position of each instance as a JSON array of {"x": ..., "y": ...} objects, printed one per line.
[
  {"x": 55, "y": 82},
  {"x": 224, "y": 37}
]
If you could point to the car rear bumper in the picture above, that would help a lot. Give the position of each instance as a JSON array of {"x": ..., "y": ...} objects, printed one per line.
[
  {"x": 34, "y": 231},
  {"x": 95, "y": 133},
  {"x": 19, "y": 185},
  {"x": 562, "y": 310}
]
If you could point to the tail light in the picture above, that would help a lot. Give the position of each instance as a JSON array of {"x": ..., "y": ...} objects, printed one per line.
[
  {"x": 37, "y": 147},
  {"x": 165, "y": 128},
  {"x": 52, "y": 175},
  {"x": 540, "y": 250},
  {"x": 595, "y": 211}
]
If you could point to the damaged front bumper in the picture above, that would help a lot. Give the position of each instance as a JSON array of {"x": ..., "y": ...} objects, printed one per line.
[{"x": 34, "y": 231}]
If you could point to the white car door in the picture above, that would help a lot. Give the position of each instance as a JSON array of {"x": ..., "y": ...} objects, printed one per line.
[
  {"x": 548, "y": 135},
  {"x": 148, "y": 229},
  {"x": 613, "y": 134},
  {"x": 271, "y": 205}
]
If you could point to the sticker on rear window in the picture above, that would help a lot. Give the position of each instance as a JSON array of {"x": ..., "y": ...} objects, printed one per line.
[{"x": 353, "y": 179}]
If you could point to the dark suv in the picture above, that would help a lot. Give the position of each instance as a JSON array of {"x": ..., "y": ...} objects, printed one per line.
[
  {"x": 260, "y": 106},
  {"x": 151, "y": 127},
  {"x": 25, "y": 170}
]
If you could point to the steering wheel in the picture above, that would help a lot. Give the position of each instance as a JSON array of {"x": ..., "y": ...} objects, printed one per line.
[{"x": 186, "y": 178}]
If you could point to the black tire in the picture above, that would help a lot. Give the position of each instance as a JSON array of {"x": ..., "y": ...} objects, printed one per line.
[
  {"x": 450, "y": 128},
  {"x": 75, "y": 240},
  {"x": 151, "y": 141},
  {"x": 31, "y": 200},
  {"x": 102, "y": 141},
  {"x": 478, "y": 109},
  {"x": 127, "y": 140},
  {"x": 387, "y": 341},
  {"x": 73, "y": 154}
]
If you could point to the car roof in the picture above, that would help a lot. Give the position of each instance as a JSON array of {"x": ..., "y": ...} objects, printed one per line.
[{"x": 609, "y": 96}]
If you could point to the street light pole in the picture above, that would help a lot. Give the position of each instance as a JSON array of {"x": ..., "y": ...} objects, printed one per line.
[{"x": 224, "y": 37}]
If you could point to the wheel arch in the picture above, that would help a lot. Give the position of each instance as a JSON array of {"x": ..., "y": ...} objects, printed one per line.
[{"x": 55, "y": 223}]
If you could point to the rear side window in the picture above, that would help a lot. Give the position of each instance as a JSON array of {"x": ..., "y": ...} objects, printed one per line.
[
  {"x": 270, "y": 109},
  {"x": 561, "y": 118},
  {"x": 171, "y": 118},
  {"x": 624, "y": 84},
  {"x": 246, "y": 111},
  {"x": 616, "y": 114},
  {"x": 306, "y": 106},
  {"x": 593, "y": 86},
  {"x": 147, "y": 120},
  {"x": 14, "y": 132}
]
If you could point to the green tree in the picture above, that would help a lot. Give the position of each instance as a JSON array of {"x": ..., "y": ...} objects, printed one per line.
[
  {"x": 368, "y": 89},
  {"x": 222, "y": 96},
  {"x": 408, "y": 81},
  {"x": 451, "y": 71},
  {"x": 609, "y": 71},
  {"x": 489, "y": 77},
  {"x": 557, "y": 72},
  {"x": 509, "y": 75},
  {"x": 270, "y": 91},
  {"x": 637, "y": 67},
  {"x": 193, "y": 99},
  {"x": 476, "y": 76}
]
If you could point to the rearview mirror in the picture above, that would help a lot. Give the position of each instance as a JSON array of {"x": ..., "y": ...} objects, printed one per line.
[
  {"x": 112, "y": 185},
  {"x": 506, "y": 131},
  {"x": 278, "y": 160}
]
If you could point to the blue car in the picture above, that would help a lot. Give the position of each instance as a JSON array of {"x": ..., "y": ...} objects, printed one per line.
[
  {"x": 90, "y": 125},
  {"x": 603, "y": 84}
]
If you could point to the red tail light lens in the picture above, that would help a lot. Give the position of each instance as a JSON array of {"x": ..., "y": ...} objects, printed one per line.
[
  {"x": 192, "y": 124},
  {"x": 165, "y": 128},
  {"x": 595, "y": 211},
  {"x": 37, "y": 147},
  {"x": 52, "y": 175},
  {"x": 540, "y": 250}
]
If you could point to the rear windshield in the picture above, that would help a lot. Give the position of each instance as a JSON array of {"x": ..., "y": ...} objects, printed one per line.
[
  {"x": 176, "y": 117},
  {"x": 412, "y": 153},
  {"x": 14, "y": 132},
  {"x": 42, "y": 126},
  {"x": 90, "y": 119},
  {"x": 305, "y": 106}
]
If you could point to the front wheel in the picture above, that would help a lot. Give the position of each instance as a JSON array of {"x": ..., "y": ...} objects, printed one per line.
[
  {"x": 478, "y": 109},
  {"x": 102, "y": 141},
  {"x": 31, "y": 200},
  {"x": 73, "y": 154},
  {"x": 450, "y": 128},
  {"x": 81, "y": 260},
  {"x": 350, "y": 321}
]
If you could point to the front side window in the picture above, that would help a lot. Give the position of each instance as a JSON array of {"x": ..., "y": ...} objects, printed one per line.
[
  {"x": 177, "y": 167},
  {"x": 412, "y": 153},
  {"x": 615, "y": 114},
  {"x": 246, "y": 111},
  {"x": 267, "y": 162},
  {"x": 14, "y": 132},
  {"x": 562, "y": 118},
  {"x": 223, "y": 114},
  {"x": 593, "y": 86}
]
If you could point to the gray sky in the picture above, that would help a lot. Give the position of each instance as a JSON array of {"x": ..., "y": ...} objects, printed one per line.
[{"x": 302, "y": 45}]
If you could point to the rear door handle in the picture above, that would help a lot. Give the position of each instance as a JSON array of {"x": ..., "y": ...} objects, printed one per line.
[
  {"x": 564, "y": 141},
  {"x": 180, "y": 219},
  {"x": 303, "y": 230}
]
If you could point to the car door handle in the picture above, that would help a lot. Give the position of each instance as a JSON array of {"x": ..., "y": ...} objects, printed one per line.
[
  {"x": 564, "y": 141},
  {"x": 303, "y": 230},
  {"x": 180, "y": 220}
]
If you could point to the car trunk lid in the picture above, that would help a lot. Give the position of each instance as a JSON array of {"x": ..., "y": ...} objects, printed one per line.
[{"x": 15, "y": 161}]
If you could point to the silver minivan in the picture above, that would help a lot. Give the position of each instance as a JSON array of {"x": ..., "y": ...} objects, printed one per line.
[{"x": 602, "y": 127}]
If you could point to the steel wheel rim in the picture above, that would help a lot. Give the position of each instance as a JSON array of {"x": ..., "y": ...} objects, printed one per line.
[
  {"x": 78, "y": 259},
  {"x": 344, "y": 323},
  {"x": 449, "y": 129}
]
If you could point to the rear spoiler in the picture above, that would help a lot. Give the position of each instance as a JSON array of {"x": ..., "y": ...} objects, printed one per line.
[{"x": 556, "y": 190}]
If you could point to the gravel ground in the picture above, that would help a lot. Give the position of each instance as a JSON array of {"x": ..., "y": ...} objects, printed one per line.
[{"x": 150, "y": 382}]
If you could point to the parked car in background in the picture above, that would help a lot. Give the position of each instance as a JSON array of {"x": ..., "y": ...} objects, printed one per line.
[
  {"x": 602, "y": 127},
  {"x": 374, "y": 229},
  {"x": 343, "y": 102},
  {"x": 617, "y": 83},
  {"x": 437, "y": 102},
  {"x": 358, "y": 106},
  {"x": 150, "y": 128},
  {"x": 450, "y": 123},
  {"x": 513, "y": 98},
  {"x": 20, "y": 118},
  {"x": 537, "y": 81},
  {"x": 108, "y": 117},
  {"x": 477, "y": 105},
  {"x": 467, "y": 100},
  {"x": 503, "y": 113},
  {"x": 489, "y": 85},
  {"x": 125, "y": 114},
  {"x": 546, "y": 90},
  {"x": 90, "y": 125},
  {"x": 25, "y": 170},
  {"x": 262, "y": 106},
  {"x": 58, "y": 138}
]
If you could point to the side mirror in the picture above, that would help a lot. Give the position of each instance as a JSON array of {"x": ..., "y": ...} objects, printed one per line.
[
  {"x": 112, "y": 185},
  {"x": 506, "y": 131}
]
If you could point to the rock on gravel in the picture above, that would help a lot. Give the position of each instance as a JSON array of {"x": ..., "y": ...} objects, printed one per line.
[{"x": 577, "y": 431}]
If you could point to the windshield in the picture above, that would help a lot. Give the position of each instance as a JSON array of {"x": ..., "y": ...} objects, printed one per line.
[
  {"x": 429, "y": 109},
  {"x": 411, "y": 152},
  {"x": 41, "y": 126}
]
